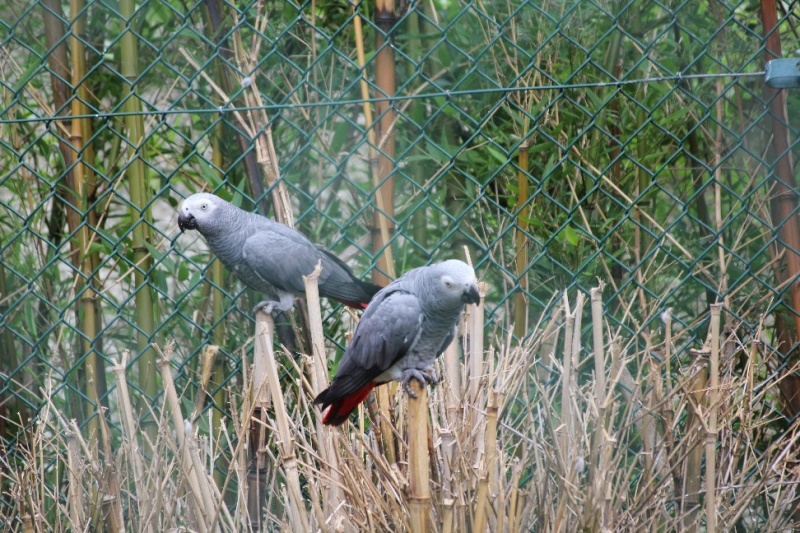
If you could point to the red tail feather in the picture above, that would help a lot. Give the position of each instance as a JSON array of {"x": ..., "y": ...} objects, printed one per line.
[
  {"x": 355, "y": 305},
  {"x": 339, "y": 411}
]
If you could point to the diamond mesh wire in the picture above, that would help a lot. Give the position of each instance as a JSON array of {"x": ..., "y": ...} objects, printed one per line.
[{"x": 641, "y": 121}]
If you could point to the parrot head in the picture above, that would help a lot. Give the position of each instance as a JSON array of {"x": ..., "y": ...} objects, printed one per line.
[
  {"x": 457, "y": 282},
  {"x": 196, "y": 211}
]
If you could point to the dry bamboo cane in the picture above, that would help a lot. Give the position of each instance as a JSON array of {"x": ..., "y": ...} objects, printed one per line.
[
  {"x": 263, "y": 344},
  {"x": 259, "y": 124},
  {"x": 482, "y": 498},
  {"x": 452, "y": 396},
  {"x": 566, "y": 404},
  {"x": 129, "y": 431},
  {"x": 475, "y": 329},
  {"x": 112, "y": 508},
  {"x": 597, "y": 479},
  {"x": 475, "y": 358},
  {"x": 319, "y": 380},
  {"x": 695, "y": 388},
  {"x": 257, "y": 464},
  {"x": 200, "y": 500},
  {"x": 419, "y": 490},
  {"x": 711, "y": 435},
  {"x": 75, "y": 489}
]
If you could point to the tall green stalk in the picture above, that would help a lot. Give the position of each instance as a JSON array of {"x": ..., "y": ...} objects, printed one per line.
[
  {"x": 140, "y": 215},
  {"x": 416, "y": 111},
  {"x": 82, "y": 177},
  {"x": 218, "y": 334},
  {"x": 521, "y": 243}
]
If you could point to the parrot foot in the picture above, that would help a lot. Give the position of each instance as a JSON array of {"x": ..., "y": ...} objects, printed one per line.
[
  {"x": 267, "y": 306},
  {"x": 285, "y": 303},
  {"x": 424, "y": 376}
]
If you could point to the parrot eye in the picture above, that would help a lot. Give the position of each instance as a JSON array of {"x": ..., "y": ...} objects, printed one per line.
[
  {"x": 448, "y": 284},
  {"x": 203, "y": 206}
]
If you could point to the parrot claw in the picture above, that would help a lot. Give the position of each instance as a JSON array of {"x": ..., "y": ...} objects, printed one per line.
[
  {"x": 267, "y": 306},
  {"x": 425, "y": 376},
  {"x": 285, "y": 304}
]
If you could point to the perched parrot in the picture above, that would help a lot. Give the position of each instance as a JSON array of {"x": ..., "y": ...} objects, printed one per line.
[
  {"x": 270, "y": 257},
  {"x": 407, "y": 325}
]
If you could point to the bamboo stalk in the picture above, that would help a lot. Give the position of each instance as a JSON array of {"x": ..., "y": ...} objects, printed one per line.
[
  {"x": 76, "y": 503},
  {"x": 385, "y": 19},
  {"x": 475, "y": 317},
  {"x": 206, "y": 366},
  {"x": 381, "y": 241},
  {"x": 82, "y": 259},
  {"x": 451, "y": 387},
  {"x": 259, "y": 124},
  {"x": 566, "y": 380},
  {"x": 416, "y": 112},
  {"x": 111, "y": 505},
  {"x": 482, "y": 497},
  {"x": 419, "y": 490},
  {"x": 596, "y": 473},
  {"x": 263, "y": 344},
  {"x": 711, "y": 435},
  {"x": 129, "y": 432},
  {"x": 261, "y": 400},
  {"x": 521, "y": 243},
  {"x": 201, "y": 500},
  {"x": 137, "y": 175},
  {"x": 218, "y": 333},
  {"x": 695, "y": 390},
  {"x": 319, "y": 380},
  {"x": 475, "y": 357},
  {"x": 784, "y": 196}
]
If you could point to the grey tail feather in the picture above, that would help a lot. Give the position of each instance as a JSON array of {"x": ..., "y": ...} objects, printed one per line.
[{"x": 360, "y": 292}]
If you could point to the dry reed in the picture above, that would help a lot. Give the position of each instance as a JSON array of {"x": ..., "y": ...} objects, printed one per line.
[{"x": 512, "y": 440}]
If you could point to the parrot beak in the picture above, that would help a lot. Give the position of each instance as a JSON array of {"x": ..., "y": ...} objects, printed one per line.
[
  {"x": 186, "y": 221},
  {"x": 471, "y": 295}
]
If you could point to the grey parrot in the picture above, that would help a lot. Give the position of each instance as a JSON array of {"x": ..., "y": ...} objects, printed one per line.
[
  {"x": 269, "y": 257},
  {"x": 407, "y": 325}
]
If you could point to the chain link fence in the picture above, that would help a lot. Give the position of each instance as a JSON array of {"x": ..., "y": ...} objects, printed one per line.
[{"x": 559, "y": 142}]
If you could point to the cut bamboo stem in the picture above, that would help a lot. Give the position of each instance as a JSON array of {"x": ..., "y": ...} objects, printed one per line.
[
  {"x": 521, "y": 243},
  {"x": 692, "y": 477},
  {"x": 597, "y": 474},
  {"x": 76, "y": 510},
  {"x": 419, "y": 490},
  {"x": 130, "y": 434},
  {"x": 112, "y": 508},
  {"x": 265, "y": 326},
  {"x": 319, "y": 381},
  {"x": 482, "y": 498},
  {"x": 711, "y": 435},
  {"x": 566, "y": 380},
  {"x": 257, "y": 419},
  {"x": 475, "y": 318},
  {"x": 200, "y": 500}
]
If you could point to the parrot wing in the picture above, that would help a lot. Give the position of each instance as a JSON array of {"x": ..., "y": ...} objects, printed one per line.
[
  {"x": 387, "y": 331},
  {"x": 280, "y": 258}
]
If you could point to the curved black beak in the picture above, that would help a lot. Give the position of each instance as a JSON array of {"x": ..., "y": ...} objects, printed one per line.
[
  {"x": 186, "y": 221},
  {"x": 471, "y": 295}
]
